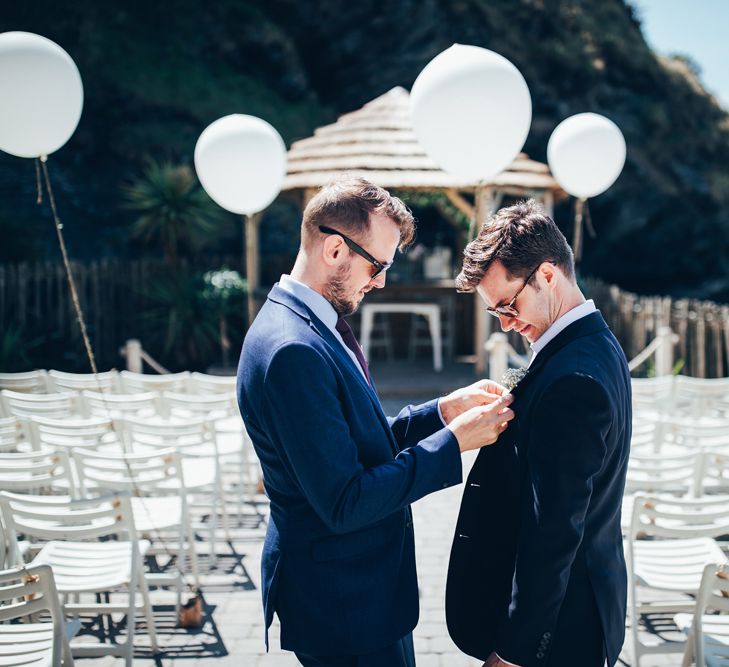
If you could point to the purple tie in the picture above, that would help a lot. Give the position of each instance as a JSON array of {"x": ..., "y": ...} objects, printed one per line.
[{"x": 345, "y": 331}]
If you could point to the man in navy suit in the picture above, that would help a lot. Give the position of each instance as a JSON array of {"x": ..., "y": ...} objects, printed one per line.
[
  {"x": 542, "y": 582},
  {"x": 338, "y": 564}
]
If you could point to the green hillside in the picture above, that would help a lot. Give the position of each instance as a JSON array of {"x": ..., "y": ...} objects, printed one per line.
[{"x": 155, "y": 74}]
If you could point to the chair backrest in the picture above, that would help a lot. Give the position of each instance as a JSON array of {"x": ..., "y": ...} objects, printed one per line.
[
  {"x": 701, "y": 397},
  {"x": 191, "y": 437},
  {"x": 45, "y": 518},
  {"x": 113, "y": 406},
  {"x": 156, "y": 473},
  {"x": 10, "y": 434},
  {"x": 697, "y": 435},
  {"x": 210, "y": 406},
  {"x": 667, "y": 517},
  {"x": 713, "y": 595},
  {"x": 59, "y": 406},
  {"x": 653, "y": 394},
  {"x": 44, "y": 471},
  {"x": 202, "y": 383},
  {"x": 711, "y": 473},
  {"x": 69, "y": 434},
  {"x": 140, "y": 382},
  {"x": 649, "y": 472},
  {"x": 107, "y": 381},
  {"x": 31, "y": 590},
  {"x": 33, "y": 382}
]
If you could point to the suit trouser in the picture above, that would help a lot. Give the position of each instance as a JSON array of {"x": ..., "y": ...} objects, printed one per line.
[{"x": 399, "y": 654}]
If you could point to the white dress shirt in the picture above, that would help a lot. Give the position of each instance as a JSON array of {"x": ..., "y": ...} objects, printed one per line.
[{"x": 577, "y": 313}]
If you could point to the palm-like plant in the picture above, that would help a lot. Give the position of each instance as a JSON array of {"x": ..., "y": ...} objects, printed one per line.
[{"x": 175, "y": 212}]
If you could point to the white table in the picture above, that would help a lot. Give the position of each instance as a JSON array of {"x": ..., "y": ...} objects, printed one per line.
[{"x": 431, "y": 312}]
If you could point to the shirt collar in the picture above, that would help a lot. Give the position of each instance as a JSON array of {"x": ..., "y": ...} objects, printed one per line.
[
  {"x": 577, "y": 313},
  {"x": 311, "y": 298}
]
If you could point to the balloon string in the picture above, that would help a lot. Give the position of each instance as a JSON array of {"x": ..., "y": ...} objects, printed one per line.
[
  {"x": 38, "y": 184},
  {"x": 588, "y": 222},
  {"x": 67, "y": 265}
]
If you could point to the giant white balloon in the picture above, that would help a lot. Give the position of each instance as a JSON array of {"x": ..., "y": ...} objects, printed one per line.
[
  {"x": 471, "y": 111},
  {"x": 586, "y": 154},
  {"x": 41, "y": 95},
  {"x": 241, "y": 162}
]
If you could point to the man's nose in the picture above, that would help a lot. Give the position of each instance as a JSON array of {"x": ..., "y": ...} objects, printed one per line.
[
  {"x": 507, "y": 323},
  {"x": 379, "y": 280}
]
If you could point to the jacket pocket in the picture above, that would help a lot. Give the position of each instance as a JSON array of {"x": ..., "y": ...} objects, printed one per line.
[{"x": 350, "y": 545}]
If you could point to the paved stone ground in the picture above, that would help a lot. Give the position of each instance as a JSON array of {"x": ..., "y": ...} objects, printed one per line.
[{"x": 233, "y": 631}]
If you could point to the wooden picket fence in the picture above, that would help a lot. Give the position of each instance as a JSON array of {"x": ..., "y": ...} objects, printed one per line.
[{"x": 113, "y": 293}]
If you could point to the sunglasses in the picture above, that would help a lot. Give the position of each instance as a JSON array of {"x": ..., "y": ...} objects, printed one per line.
[
  {"x": 379, "y": 267},
  {"x": 508, "y": 310}
]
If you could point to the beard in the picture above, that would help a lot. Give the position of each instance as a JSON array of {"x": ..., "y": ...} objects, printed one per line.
[{"x": 337, "y": 294}]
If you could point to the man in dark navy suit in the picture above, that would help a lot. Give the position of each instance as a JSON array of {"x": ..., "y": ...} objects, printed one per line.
[
  {"x": 338, "y": 564},
  {"x": 537, "y": 575}
]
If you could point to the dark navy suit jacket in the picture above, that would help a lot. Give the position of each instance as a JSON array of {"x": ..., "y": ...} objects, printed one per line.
[
  {"x": 538, "y": 546},
  {"x": 338, "y": 563}
]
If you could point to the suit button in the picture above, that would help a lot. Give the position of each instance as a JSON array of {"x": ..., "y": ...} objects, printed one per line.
[
  {"x": 409, "y": 524},
  {"x": 540, "y": 655},
  {"x": 547, "y": 635},
  {"x": 446, "y": 485}
]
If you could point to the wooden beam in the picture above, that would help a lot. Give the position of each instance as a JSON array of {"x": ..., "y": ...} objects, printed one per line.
[
  {"x": 252, "y": 225},
  {"x": 460, "y": 202}
]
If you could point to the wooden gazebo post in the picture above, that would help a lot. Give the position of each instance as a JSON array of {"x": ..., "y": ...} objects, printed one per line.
[{"x": 252, "y": 224}]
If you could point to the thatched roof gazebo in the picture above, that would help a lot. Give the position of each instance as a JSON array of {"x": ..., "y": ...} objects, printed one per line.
[{"x": 378, "y": 143}]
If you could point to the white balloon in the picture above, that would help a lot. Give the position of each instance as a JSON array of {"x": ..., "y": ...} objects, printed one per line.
[
  {"x": 471, "y": 111},
  {"x": 41, "y": 95},
  {"x": 586, "y": 154},
  {"x": 241, "y": 162}
]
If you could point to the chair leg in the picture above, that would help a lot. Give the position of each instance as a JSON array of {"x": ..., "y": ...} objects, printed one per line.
[
  {"x": 147, "y": 606},
  {"x": 688, "y": 654}
]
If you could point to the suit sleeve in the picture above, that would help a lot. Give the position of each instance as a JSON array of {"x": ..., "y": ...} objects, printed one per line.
[
  {"x": 415, "y": 423},
  {"x": 303, "y": 414},
  {"x": 566, "y": 449}
]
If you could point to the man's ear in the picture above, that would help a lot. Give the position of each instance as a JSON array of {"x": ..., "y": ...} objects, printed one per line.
[
  {"x": 548, "y": 271},
  {"x": 332, "y": 250}
]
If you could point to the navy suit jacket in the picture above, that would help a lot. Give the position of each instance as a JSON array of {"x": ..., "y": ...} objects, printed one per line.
[
  {"x": 338, "y": 563},
  {"x": 539, "y": 524}
]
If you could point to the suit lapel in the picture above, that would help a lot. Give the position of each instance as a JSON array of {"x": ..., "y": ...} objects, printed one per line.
[{"x": 281, "y": 296}]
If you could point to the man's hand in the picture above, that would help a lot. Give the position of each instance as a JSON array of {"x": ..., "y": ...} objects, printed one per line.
[
  {"x": 494, "y": 661},
  {"x": 457, "y": 402},
  {"x": 483, "y": 424}
]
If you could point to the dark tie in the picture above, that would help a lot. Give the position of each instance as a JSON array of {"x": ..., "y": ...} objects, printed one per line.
[{"x": 345, "y": 331}]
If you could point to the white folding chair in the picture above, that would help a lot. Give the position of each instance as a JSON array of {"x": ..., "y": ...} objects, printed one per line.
[
  {"x": 44, "y": 471},
  {"x": 196, "y": 441},
  {"x": 107, "y": 381},
  {"x": 140, "y": 382},
  {"x": 11, "y": 434},
  {"x": 653, "y": 395},
  {"x": 657, "y": 473},
  {"x": 711, "y": 474},
  {"x": 22, "y": 405},
  {"x": 68, "y": 434},
  {"x": 83, "y": 565},
  {"x": 708, "y": 634},
  {"x": 32, "y": 382},
  {"x": 702, "y": 397},
  {"x": 27, "y": 591},
  {"x": 672, "y": 561},
  {"x": 202, "y": 383},
  {"x": 114, "y": 406},
  {"x": 159, "y": 496}
]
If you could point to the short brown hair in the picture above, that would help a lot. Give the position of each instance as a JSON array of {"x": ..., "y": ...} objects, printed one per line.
[
  {"x": 345, "y": 203},
  {"x": 521, "y": 237}
]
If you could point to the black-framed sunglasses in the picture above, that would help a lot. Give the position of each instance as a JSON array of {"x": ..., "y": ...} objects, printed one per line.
[
  {"x": 508, "y": 310},
  {"x": 355, "y": 247}
]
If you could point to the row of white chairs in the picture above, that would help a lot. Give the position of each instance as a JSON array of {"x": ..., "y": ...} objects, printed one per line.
[
  {"x": 42, "y": 381},
  {"x": 694, "y": 473},
  {"x": 682, "y": 395},
  {"x": 96, "y": 556},
  {"x": 671, "y": 547}
]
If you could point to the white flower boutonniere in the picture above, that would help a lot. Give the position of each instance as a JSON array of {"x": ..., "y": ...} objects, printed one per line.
[{"x": 513, "y": 376}]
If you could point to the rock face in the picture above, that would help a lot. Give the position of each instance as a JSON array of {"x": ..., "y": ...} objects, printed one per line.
[{"x": 155, "y": 74}]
